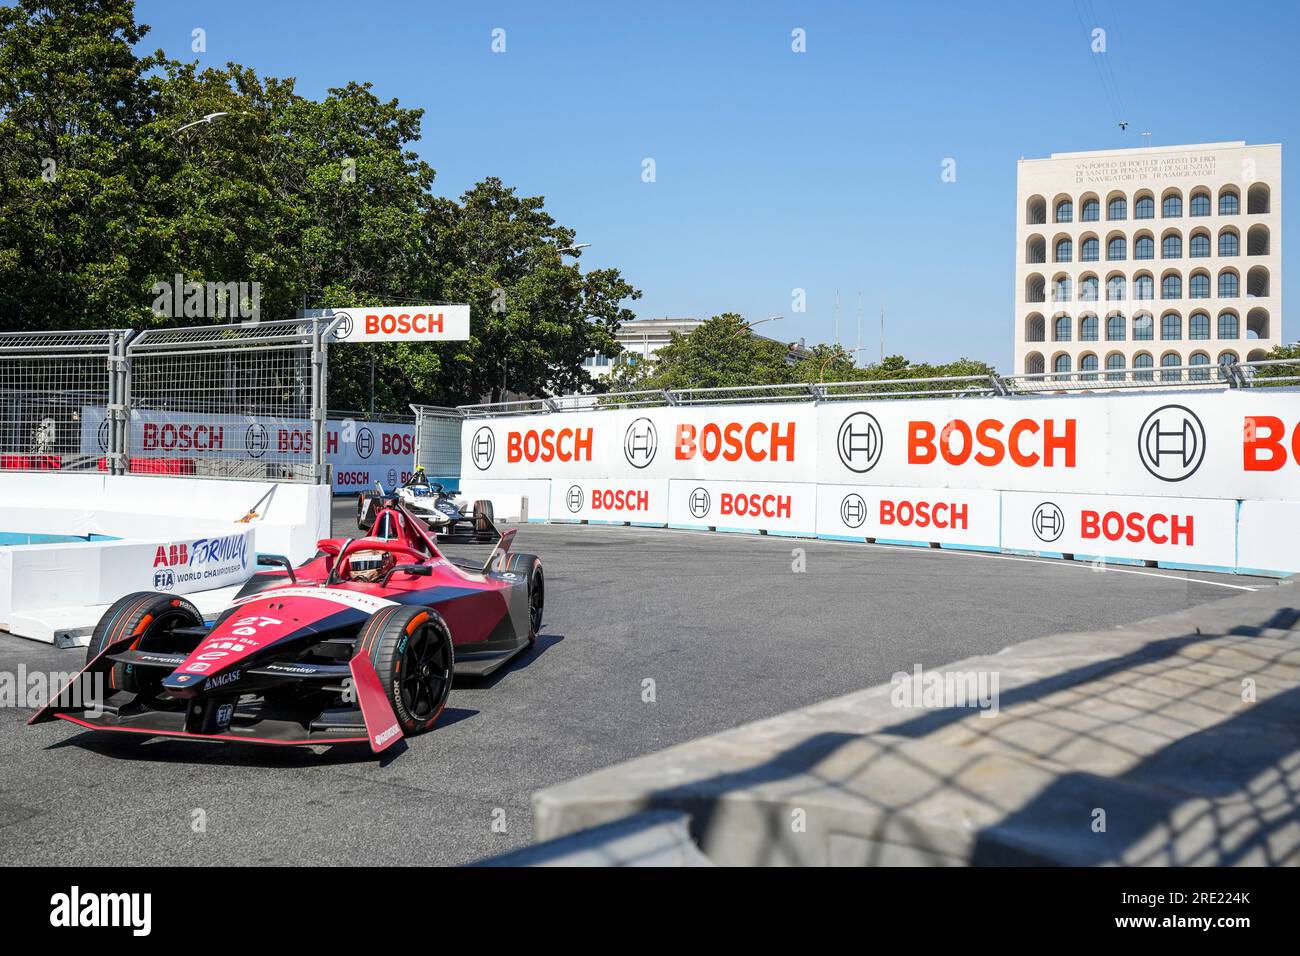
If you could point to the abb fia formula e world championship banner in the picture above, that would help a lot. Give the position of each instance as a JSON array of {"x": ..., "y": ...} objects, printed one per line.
[{"x": 359, "y": 452}]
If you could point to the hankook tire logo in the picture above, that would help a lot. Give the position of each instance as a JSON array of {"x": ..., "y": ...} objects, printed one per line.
[
  {"x": 859, "y": 442},
  {"x": 853, "y": 511},
  {"x": 1171, "y": 443},
  {"x": 257, "y": 440},
  {"x": 483, "y": 448},
  {"x": 640, "y": 443},
  {"x": 574, "y": 499},
  {"x": 1048, "y": 522},
  {"x": 699, "y": 502}
]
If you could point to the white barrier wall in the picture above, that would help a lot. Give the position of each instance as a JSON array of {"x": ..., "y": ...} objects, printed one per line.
[{"x": 954, "y": 472}]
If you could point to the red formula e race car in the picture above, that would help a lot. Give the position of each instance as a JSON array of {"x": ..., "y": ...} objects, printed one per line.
[{"x": 358, "y": 644}]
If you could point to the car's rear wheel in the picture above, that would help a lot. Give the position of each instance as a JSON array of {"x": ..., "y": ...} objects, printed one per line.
[
  {"x": 531, "y": 565},
  {"x": 150, "y": 619},
  {"x": 483, "y": 516},
  {"x": 411, "y": 650}
]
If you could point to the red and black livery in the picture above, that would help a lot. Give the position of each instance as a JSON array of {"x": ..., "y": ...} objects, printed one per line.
[{"x": 359, "y": 644}]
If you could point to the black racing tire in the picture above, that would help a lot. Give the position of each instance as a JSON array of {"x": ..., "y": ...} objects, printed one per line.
[
  {"x": 483, "y": 519},
  {"x": 531, "y": 565},
  {"x": 149, "y": 617},
  {"x": 410, "y": 647}
]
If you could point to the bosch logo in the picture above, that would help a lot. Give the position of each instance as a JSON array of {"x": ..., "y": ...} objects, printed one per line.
[
  {"x": 574, "y": 499},
  {"x": 1048, "y": 522},
  {"x": 345, "y": 327},
  {"x": 483, "y": 448},
  {"x": 365, "y": 442},
  {"x": 164, "y": 580},
  {"x": 392, "y": 476},
  {"x": 1171, "y": 443},
  {"x": 853, "y": 511},
  {"x": 103, "y": 435},
  {"x": 859, "y": 442},
  {"x": 699, "y": 502},
  {"x": 257, "y": 440},
  {"x": 640, "y": 443}
]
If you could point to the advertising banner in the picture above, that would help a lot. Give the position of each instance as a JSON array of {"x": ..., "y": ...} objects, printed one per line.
[
  {"x": 924, "y": 515},
  {"x": 780, "y": 507},
  {"x": 403, "y": 323},
  {"x": 636, "y": 500},
  {"x": 1197, "y": 532}
]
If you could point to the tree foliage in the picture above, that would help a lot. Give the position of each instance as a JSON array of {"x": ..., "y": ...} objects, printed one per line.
[{"x": 107, "y": 186}]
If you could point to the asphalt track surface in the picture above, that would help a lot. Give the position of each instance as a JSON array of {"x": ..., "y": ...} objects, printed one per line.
[{"x": 722, "y": 624}]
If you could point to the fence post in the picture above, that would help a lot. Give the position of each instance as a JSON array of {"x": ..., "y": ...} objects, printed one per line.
[
  {"x": 319, "y": 398},
  {"x": 119, "y": 403}
]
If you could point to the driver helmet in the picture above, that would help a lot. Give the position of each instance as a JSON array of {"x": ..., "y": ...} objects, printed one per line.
[{"x": 369, "y": 566}]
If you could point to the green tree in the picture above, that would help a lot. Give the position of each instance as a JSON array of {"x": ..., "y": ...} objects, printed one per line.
[{"x": 719, "y": 352}]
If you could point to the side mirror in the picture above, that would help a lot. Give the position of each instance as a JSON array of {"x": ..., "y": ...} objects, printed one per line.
[
  {"x": 415, "y": 570},
  {"x": 277, "y": 561}
]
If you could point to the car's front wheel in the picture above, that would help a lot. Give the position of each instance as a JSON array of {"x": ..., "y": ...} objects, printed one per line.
[
  {"x": 410, "y": 647},
  {"x": 149, "y": 619}
]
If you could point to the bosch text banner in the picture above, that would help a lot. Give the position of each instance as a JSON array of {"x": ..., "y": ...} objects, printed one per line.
[{"x": 403, "y": 323}]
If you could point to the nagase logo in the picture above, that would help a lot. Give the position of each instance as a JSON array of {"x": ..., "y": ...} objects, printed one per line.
[
  {"x": 257, "y": 440},
  {"x": 483, "y": 448},
  {"x": 549, "y": 444},
  {"x": 1048, "y": 522},
  {"x": 957, "y": 441},
  {"x": 640, "y": 443},
  {"x": 859, "y": 442},
  {"x": 757, "y": 442},
  {"x": 699, "y": 502},
  {"x": 1263, "y": 443},
  {"x": 1171, "y": 443},
  {"x": 1138, "y": 527},
  {"x": 853, "y": 511},
  {"x": 574, "y": 499}
]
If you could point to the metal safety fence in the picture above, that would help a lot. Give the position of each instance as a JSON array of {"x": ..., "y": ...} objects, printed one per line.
[{"x": 243, "y": 401}]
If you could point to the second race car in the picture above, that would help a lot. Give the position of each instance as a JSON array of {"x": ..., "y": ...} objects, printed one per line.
[{"x": 446, "y": 513}]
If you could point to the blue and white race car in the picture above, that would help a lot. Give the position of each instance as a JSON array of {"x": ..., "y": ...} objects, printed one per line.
[{"x": 445, "y": 513}]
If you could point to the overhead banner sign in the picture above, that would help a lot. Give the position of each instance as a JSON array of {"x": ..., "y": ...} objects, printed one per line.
[{"x": 403, "y": 323}]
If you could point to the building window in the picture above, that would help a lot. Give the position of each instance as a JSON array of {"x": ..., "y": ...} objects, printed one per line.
[
  {"x": 1062, "y": 290},
  {"x": 1201, "y": 204},
  {"x": 1065, "y": 211},
  {"x": 1088, "y": 289},
  {"x": 1144, "y": 247},
  {"x": 1088, "y": 329},
  {"x": 1169, "y": 368},
  {"x": 1115, "y": 367},
  {"x": 1115, "y": 328},
  {"x": 1091, "y": 250},
  {"x": 1116, "y": 249},
  {"x": 1201, "y": 373},
  {"x": 1228, "y": 285},
  {"x": 1229, "y": 245},
  {"x": 1171, "y": 287},
  {"x": 1115, "y": 289},
  {"x": 1061, "y": 329},
  {"x": 1199, "y": 286},
  {"x": 1144, "y": 208},
  {"x": 1065, "y": 251},
  {"x": 1172, "y": 207},
  {"x": 1144, "y": 327},
  {"x": 1171, "y": 328},
  {"x": 1229, "y": 204},
  {"x": 1144, "y": 287},
  {"x": 1142, "y": 362},
  {"x": 1061, "y": 363},
  {"x": 1198, "y": 326},
  {"x": 1228, "y": 326},
  {"x": 1117, "y": 209},
  {"x": 1171, "y": 247},
  {"x": 1200, "y": 246},
  {"x": 1091, "y": 211},
  {"x": 1088, "y": 363}
]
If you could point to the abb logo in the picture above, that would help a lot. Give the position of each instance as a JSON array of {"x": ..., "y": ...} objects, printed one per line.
[
  {"x": 549, "y": 444},
  {"x": 184, "y": 437},
  {"x": 1264, "y": 445},
  {"x": 603, "y": 499},
  {"x": 759, "y": 441},
  {"x": 1137, "y": 527},
  {"x": 957, "y": 443},
  {"x": 170, "y": 555},
  {"x": 923, "y": 514},
  {"x": 421, "y": 323},
  {"x": 768, "y": 506}
]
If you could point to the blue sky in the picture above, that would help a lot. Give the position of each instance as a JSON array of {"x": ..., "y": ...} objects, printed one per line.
[{"x": 777, "y": 170}]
